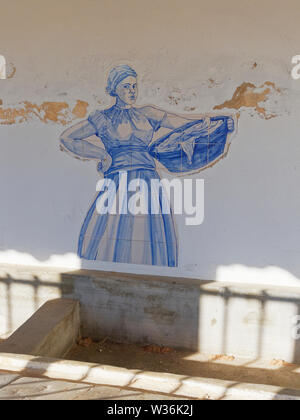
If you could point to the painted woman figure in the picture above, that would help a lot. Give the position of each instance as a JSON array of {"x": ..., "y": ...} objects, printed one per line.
[{"x": 125, "y": 144}]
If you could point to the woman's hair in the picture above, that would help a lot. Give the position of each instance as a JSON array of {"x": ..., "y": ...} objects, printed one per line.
[{"x": 116, "y": 75}]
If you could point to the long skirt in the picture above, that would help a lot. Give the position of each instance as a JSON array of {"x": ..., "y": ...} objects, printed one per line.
[{"x": 130, "y": 238}]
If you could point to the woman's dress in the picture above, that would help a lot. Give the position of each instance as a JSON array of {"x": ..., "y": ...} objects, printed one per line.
[{"x": 126, "y": 135}]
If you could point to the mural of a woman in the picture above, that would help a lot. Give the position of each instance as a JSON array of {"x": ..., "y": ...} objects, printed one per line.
[{"x": 125, "y": 133}]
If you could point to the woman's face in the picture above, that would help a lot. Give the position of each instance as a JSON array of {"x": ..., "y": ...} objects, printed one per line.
[{"x": 127, "y": 90}]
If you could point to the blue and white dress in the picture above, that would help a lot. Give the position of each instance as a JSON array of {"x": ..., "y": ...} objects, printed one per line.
[{"x": 127, "y": 136}]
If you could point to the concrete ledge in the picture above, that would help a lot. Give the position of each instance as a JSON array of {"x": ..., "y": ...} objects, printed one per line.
[
  {"x": 50, "y": 332},
  {"x": 251, "y": 321},
  {"x": 176, "y": 385}
]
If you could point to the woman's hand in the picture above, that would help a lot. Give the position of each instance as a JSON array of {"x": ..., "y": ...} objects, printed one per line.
[{"x": 104, "y": 164}]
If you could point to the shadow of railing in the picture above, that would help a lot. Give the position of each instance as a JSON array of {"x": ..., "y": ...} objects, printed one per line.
[{"x": 40, "y": 290}]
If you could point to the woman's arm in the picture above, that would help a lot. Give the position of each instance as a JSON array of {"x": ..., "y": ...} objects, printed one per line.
[
  {"x": 163, "y": 119},
  {"x": 75, "y": 140},
  {"x": 173, "y": 121},
  {"x": 159, "y": 118}
]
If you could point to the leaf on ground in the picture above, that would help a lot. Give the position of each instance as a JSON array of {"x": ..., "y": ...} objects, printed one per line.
[
  {"x": 85, "y": 342},
  {"x": 157, "y": 349},
  {"x": 222, "y": 357},
  {"x": 280, "y": 363}
]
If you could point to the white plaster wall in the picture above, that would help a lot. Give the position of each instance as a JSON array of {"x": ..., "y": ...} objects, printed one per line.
[{"x": 62, "y": 51}]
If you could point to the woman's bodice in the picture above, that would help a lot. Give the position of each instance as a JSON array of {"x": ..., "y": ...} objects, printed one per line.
[{"x": 126, "y": 135}]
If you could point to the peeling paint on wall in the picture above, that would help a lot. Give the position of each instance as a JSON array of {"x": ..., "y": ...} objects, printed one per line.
[
  {"x": 80, "y": 109},
  {"x": 247, "y": 95},
  {"x": 57, "y": 112}
]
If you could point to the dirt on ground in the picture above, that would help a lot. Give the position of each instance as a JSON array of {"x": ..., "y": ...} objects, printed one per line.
[
  {"x": 131, "y": 356},
  {"x": 156, "y": 358}
]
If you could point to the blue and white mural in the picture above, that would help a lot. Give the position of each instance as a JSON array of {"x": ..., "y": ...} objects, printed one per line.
[{"x": 126, "y": 143}]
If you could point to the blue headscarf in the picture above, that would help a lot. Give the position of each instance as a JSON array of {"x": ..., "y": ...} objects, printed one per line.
[{"x": 116, "y": 75}]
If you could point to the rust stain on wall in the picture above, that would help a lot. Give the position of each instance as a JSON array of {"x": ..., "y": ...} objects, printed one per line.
[
  {"x": 57, "y": 112},
  {"x": 211, "y": 83},
  {"x": 250, "y": 96}
]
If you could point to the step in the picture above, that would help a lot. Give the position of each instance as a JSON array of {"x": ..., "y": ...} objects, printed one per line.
[
  {"x": 51, "y": 331},
  {"x": 169, "y": 384}
]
